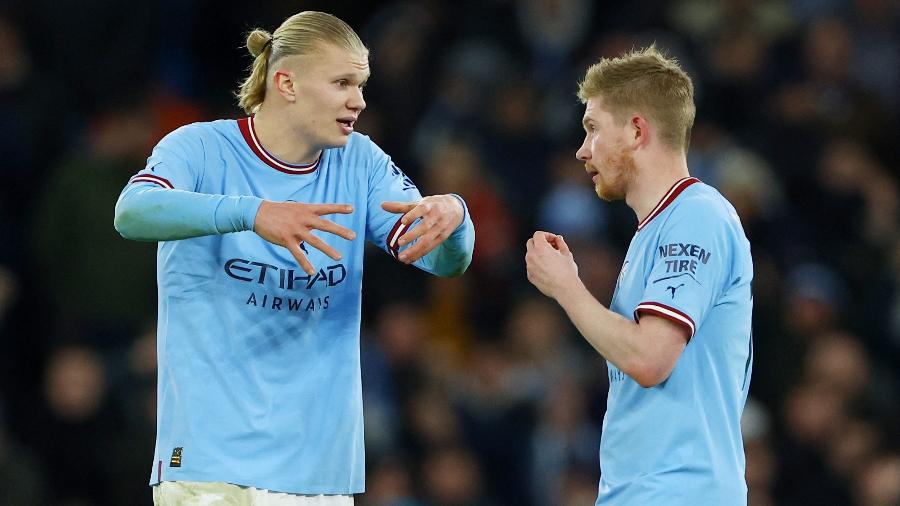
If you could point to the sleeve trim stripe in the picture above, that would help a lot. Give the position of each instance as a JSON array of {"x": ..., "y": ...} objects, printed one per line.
[
  {"x": 666, "y": 312},
  {"x": 149, "y": 178},
  {"x": 394, "y": 236}
]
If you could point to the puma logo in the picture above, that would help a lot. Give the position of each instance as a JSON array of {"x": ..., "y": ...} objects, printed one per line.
[{"x": 673, "y": 288}]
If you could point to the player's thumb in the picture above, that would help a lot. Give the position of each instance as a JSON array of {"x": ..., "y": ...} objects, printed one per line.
[{"x": 562, "y": 246}]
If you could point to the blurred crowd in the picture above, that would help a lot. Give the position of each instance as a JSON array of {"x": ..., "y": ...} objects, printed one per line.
[{"x": 477, "y": 390}]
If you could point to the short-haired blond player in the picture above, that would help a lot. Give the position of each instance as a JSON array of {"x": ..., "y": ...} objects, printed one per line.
[
  {"x": 677, "y": 337},
  {"x": 261, "y": 224}
]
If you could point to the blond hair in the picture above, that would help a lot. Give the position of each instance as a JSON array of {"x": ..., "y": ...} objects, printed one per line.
[
  {"x": 300, "y": 34},
  {"x": 648, "y": 82}
]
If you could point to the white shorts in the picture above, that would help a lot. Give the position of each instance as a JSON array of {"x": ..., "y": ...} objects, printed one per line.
[{"x": 196, "y": 493}]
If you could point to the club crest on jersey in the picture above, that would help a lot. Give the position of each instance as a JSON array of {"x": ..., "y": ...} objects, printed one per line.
[{"x": 176, "y": 457}]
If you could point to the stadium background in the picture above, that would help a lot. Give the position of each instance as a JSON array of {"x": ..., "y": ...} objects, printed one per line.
[{"x": 477, "y": 390}]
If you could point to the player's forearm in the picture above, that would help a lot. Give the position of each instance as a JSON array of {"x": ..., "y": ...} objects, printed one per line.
[
  {"x": 147, "y": 213},
  {"x": 454, "y": 255},
  {"x": 616, "y": 338}
]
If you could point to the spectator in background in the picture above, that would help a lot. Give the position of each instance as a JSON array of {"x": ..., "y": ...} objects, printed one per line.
[
  {"x": 74, "y": 436},
  {"x": 102, "y": 285},
  {"x": 878, "y": 482},
  {"x": 451, "y": 477},
  {"x": 20, "y": 472}
]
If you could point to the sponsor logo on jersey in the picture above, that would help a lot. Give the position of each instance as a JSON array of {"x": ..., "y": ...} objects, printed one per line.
[{"x": 274, "y": 276}]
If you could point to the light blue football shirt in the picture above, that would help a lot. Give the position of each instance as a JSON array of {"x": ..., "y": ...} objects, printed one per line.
[
  {"x": 259, "y": 366},
  {"x": 679, "y": 443}
]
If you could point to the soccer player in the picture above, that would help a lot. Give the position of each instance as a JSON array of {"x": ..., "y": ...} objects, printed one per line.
[
  {"x": 261, "y": 225},
  {"x": 677, "y": 337}
]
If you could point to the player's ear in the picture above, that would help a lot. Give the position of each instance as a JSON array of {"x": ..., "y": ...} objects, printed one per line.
[
  {"x": 284, "y": 84},
  {"x": 640, "y": 131}
]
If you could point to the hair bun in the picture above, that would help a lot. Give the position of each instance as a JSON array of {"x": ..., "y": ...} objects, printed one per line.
[{"x": 257, "y": 42}]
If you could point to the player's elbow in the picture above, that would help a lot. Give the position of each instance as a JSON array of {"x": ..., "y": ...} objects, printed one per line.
[
  {"x": 126, "y": 222},
  {"x": 649, "y": 372},
  {"x": 122, "y": 222}
]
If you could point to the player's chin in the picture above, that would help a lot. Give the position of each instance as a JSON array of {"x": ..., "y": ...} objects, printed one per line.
[
  {"x": 342, "y": 139},
  {"x": 338, "y": 141}
]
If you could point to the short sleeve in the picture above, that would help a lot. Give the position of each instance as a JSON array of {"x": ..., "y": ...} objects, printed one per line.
[
  {"x": 689, "y": 266},
  {"x": 387, "y": 183},
  {"x": 176, "y": 162}
]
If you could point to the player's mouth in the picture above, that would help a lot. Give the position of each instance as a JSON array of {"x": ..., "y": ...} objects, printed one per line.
[
  {"x": 346, "y": 124},
  {"x": 593, "y": 172}
]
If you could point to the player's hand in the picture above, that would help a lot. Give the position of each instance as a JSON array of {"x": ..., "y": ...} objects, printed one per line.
[
  {"x": 550, "y": 265},
  {"x": 289, "y": 224},
  {"x": 440, "y": 214}
]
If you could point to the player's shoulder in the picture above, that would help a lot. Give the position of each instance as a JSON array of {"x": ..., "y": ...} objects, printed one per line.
[
  {"x": 700, "y": 203},
  {"x": 198, "y": 134}
]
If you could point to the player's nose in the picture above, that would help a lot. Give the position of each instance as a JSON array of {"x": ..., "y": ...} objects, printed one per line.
[
  {"x": 583, "y": 153},
  {"x": 357, "y": 102}
]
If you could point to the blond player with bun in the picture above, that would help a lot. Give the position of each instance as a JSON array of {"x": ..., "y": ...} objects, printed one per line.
[{"x": 262, "y": 224}]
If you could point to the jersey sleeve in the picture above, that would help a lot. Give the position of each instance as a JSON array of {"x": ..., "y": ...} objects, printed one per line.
[
  {"x": 176, "y": 162},
  {"x": 162, "y": 202},
  {"x": 388, "y": 183},
  {"x": 689, "y": 266}
]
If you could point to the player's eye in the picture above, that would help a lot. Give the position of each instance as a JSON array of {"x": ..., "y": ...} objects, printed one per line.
[{"x": 342, "y": 82}]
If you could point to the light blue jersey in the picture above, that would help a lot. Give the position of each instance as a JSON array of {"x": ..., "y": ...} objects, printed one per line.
[
  {"x": 259, "y": 367},
  {"x": 679, "y": 443}
]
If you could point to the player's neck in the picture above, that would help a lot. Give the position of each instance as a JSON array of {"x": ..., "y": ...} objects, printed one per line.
[
  {"x": 652, "y": 181},
  {"x": 280, "y": 141}
]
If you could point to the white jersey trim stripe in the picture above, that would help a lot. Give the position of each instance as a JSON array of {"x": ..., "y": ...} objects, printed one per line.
[
  {"x": 666, "y": 312},
  {"x": 294, "y": 169},
  {"x": 148, "y": 178}
]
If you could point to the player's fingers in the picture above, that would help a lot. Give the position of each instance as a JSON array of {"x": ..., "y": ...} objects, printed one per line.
[
  {"x": 540, "y": 235},
  {"x": 322, "y": 246},
  {"x": 398, "y": 207},
  {"x": 529, "y": 244},
  {"x": 540, "y": 240},
  {"x": 333, "y": 228},
  {"x": 418, "y": 211},
  {"x": 301, "y": 258},
  {"x": 561, "y": 245},
  {"x": 422, "y": 248},
  {"x": 321, "y": 209},
  {"x": 414, "y": 233}
]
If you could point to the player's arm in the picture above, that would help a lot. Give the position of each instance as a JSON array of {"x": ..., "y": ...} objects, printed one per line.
[
  {"x": 434, "y": 233},
  {"x": 439, "y": 232},
  {"x": 145, "y": 212},
  {"x": 646, "y": 350}
]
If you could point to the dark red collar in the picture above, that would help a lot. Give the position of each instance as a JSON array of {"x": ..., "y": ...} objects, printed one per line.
[
  {"x": 668, "y": 198},
  {"x": 249, "y": 133}
]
